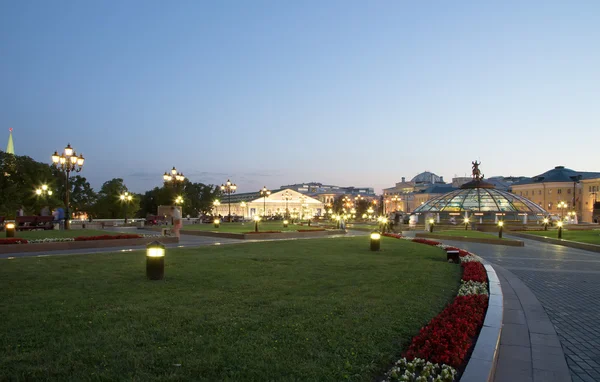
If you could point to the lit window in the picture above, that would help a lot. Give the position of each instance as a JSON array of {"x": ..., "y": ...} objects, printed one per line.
[{"x": 559, "y": 191}]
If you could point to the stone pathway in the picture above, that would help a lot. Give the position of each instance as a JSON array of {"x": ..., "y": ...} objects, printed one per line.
[{"x": 567, "y": 283}]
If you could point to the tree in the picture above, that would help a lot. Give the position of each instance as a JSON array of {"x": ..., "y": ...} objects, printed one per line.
[
  {"x": 110, "y": 206},
  {"x": 82, "y": 197},
  {"x": 197, "y": 198},
  {"x": 19, "y": 177}
]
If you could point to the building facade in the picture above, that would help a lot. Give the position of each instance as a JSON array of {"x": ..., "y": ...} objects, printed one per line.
[{"x": 559, "y": 191}]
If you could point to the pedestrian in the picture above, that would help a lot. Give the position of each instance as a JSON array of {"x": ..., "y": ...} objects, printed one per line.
[
  {"x": 177, "y": 222},
  {"x": 45, "y": 211}
]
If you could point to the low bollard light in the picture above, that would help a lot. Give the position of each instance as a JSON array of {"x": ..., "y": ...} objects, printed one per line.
[
  {"x": 375, "y": 241},
  {"x": 500, "y": 225},
  {"x": 453, "y": 256},
  {"x": 10, "y": 229},
  {"x": 155, "y": 261},
  {"x": 256, "y": 220},
  {"x": 546, "y": 221},
  {"x": 285, "y": 223},
  {"x": 466, "y": 224},
  {"x": 431, "y": 222},
  {"x": 560, "y": 225},
  {"x": 217, "y": 223}
]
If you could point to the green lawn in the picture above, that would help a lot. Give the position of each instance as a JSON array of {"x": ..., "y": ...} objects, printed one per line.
[
  {"x": 249, "y": 227},
  {"x": 466, "y": 233},
  {"x": 320, "y": 310},
  {"x": 41, "y": 234},
  {"x": 592, "y": 236}
]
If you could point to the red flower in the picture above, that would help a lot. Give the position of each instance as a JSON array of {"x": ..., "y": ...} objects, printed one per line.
[
  {"x": 474, "y": 271},
  {"x": 426, "y": 241},
  {"x": 13, "y": 240}
]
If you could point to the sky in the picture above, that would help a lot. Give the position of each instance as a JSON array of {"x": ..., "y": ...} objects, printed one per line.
[{"x": 268, "y": 93}]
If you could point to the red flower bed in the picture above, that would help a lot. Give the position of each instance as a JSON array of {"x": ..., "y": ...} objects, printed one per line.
[
  {"x": 425, "y": 241},
  {"x": 448, "y": 336},
  {"x": 264, "y": 232},
  {"x": 311, "y": 230},
  {"x": 474, "y": 271},
  {"x": 107, "y": 237},
  {"x": 13, "y": 240},
  {"x": 395, "y": 235}
]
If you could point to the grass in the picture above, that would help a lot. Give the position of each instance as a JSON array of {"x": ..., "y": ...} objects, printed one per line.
[
  {"x": 321, "y": 310},
  {"x": 467, "y": 233},
  {"x": 249, "y": 227},
  {"x": 591, "y": 236},
  {"x": 41, "y": 234}
]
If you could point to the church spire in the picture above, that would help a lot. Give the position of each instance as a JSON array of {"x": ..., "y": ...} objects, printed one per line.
[{"x": 10, "y": 147}]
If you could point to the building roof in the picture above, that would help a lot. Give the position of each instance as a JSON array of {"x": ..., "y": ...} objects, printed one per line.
[
  {"x": 427, "y": 177},
  {"x": 438, "y": 189},
  {"x": 559, "y": 174},
  {"x": 480, "y": 200}
]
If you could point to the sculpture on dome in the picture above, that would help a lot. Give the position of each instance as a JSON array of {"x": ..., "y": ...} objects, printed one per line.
[{"x": 477, "y": 175}]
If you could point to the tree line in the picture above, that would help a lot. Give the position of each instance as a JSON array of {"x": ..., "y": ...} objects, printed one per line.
[{"x": 21, "y": 176}]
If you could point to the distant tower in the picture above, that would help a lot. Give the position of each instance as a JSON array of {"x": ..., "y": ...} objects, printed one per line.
[{"x": 10, "y": 147}]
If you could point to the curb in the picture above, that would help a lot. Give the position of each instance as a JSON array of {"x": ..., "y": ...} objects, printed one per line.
[
  {"x": 491, "y": 240},
  {"x": 482, "y": 364},
  {"x": 565, "y": 243}
]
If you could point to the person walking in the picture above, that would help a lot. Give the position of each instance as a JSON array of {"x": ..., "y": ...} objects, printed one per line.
[{"x": 177, "y": 221}]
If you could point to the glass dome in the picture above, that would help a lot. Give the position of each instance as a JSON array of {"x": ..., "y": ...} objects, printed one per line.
[{"x": 481, "y": 199}]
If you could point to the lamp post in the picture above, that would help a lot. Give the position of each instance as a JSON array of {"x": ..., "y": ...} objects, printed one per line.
[
  {"x": 560, "y": 225},
  {"x": 45, "y": 191},
  {"x": 174, "y": 178},
  {"x": 287, "y": 196},
  {"x": 562, "y": 205},
  {"x": 256, "y": 220},
  {"x": 179, "y": 202},
  {"x": 228, "y": 188},
  {"x": 67, "y": 162},
  {"x": 370, "y": 212},
  {"x": 125, "y": 199},
  {"x": 500, "y": 226},
  {"x": 264, "y": 193},
  {"x": 216, "y": 205}
]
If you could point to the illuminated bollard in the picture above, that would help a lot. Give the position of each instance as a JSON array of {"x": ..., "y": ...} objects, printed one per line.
[
  {"x": 10, "y": 229},
  {"x": 500, "y": 226},
  {"x": 375, "y": 241},
  {"x": 155, "y": 261},
  {"x": 560, "y": 225},
  {"x": 431, "y": 223},
  {"x": 217, "y": 223},
  {"x": 285, "y": 223}
]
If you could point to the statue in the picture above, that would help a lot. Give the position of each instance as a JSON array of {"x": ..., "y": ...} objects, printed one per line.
[{"x": 477, "y": 175}]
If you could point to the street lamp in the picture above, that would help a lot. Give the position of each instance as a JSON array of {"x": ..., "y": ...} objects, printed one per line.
[
  {"x": 228, "y": 188},
  {"x": 216, "y": 204},
  {"x": 562, "y": 205},
  {"x": 264, "y": 193},
  {"x": 67, "y": 162},
  {"x": 560, "y": 225},
  {"x": 287, "y": 196},
  {"x": 179, "y": 202},
  {"x": 125, "y": 199},
  {"x": 174, "y": 177}
]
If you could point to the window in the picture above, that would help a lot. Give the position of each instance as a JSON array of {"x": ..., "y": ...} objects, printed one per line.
[
  {"x": 559, "y": 191},
  {"x": 568, "y": 191},
  {"x": 526, "y": 193},
  {"x": 539, "y": 192},
  {"x": 549, "y": 191},
  {"x": 550, "y": 205},
  {"x": 590, "y": 189}
]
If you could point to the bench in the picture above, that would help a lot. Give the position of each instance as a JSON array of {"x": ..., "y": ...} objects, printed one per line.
[
  {"x": 2, "y": 222},
  {"x": 34, "y": 222}
]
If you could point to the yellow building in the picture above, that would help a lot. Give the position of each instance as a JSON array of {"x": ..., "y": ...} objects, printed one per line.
[
  {"x": 559, "y": 191},
  {"x": 590, "y": 196}
]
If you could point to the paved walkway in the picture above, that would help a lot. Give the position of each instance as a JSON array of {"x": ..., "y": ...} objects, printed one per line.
[{"x": 567, "y": 283}]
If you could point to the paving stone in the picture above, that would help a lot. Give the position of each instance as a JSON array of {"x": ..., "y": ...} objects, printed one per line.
[
  {"x": 513, "y": 334},
  {"x": 545, "y": 339},
  {"x": 542, "y": 327},
  {"x": 547, "y": 361},
  {"x": 514, "y": 316},
  {"x": 550, "y": 376},
  {"x": 507, "y": 374}
]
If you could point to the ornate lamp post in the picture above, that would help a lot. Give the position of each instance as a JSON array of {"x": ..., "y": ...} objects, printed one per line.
[
  {"x": 228, "y": 188},
  {"x": 562, "y": 205},
  {"x": 216, "y": 204},
  {"x": 43, "y": 191},
  {"x": 264, "y": 193},
  {"x": 287, "y": 196},
  {"x": 67, "y": 162},
  {"x": 174, "y": 178},
  {"x": 125, "y": 199}
]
